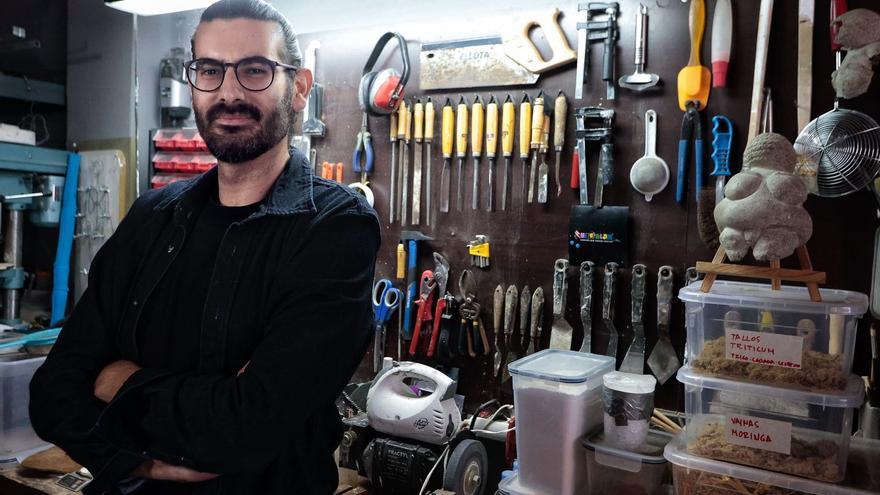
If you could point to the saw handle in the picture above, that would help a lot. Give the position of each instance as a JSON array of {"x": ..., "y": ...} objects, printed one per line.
[
  {"x": 696, "y": 27},
  {"x": 461, "y": 129},
  {"x": 477, "y": 127},
  {"x": 429, "y": 120},
  {"x": 447, "y": 130},
  {"x": 523, "y": 51},
  {"x": 508, "y": 120},
  {"x": 491, "y": 129}
]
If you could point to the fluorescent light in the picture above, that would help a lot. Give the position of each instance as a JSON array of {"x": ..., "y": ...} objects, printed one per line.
[{"x": 155, "y": 7}]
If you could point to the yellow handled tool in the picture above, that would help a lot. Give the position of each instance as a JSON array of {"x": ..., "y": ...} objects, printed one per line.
[
  {"x": 401, "y": 134},
  {"x": 560, "y": 114},
  {"x": 447, "y": 137},
  {"x": 476, "y": 146},
  {"x": 508, "y": 120},
  {"x": 392, "y": 136},
  {"x": 694, "y": 80},
  {"x": 429, "y": 138},
  {"x": 525, "y": 133},
  {"x": 461, "y": 135},
  {"x": 407, "y": 137},
  {"x": 535, "y": 142},
  {"x": 491, "y": 147},
  {"x": 418, "y": 133}
]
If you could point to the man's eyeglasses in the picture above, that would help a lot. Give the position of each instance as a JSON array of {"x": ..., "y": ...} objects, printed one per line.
[{"x": 253, "y": 73}]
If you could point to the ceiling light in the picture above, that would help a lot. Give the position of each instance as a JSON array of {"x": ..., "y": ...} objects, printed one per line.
[{"x": 155, "y": 7}]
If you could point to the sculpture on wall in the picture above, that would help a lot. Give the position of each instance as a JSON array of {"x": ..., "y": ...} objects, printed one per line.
[{"x": 859, "y": 35}]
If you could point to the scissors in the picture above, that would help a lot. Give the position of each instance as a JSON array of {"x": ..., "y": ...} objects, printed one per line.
[{"x": 386, "y": 299}]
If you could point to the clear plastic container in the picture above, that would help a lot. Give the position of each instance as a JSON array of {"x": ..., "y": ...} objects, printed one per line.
[
  {"x": 694, "y": 475},
  {"x": 512, "y": 486},
  {"x": 612, "y": 470},
  {"x": 790, "y": 431},
  {"x": 16, "y": 434},
  {"x": 558, "y": 400},
  {"x": 748, "y": 332}
]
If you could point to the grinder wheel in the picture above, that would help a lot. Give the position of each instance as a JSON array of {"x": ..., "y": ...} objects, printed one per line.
[{"x": 467, "y": 468}]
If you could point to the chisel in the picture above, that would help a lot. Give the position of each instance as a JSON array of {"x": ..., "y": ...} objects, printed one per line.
[
  {"x": 476, "y": 147},
  {"x": 401, "y": 134},
  {"x": 525, "y": 133},
  {"x": 491, "y": 146},
  {"x": 429, "y": 138},
  {"x": 447, "y": 132},
  {"x": 544, "y": 169},
  {"x": 392, "y": 136},
  {"x": 418, "y": 128},
  {"x": 508, "y": 118},
  {"x": 404, "y": 184},
  {"x": 461, "y": 135},
  {"x": 560, "y": 112},
  {"x": 535, "y": 141}
]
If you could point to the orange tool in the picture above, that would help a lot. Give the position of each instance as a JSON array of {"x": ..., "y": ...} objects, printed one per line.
[
  {"x": 340, "y": 172},
  {"x": 694, "y": 80}
]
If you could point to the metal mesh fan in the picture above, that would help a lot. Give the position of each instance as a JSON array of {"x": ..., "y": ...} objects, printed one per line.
[{"x": 841, "y": 149}]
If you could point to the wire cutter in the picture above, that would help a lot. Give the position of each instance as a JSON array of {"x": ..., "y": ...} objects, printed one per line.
[
  {"x": 386, "y": 299},
  {"x": 363, "y": 150},
  {"x": 691, "y": 130},
  {"x": 424, "y": 302}
]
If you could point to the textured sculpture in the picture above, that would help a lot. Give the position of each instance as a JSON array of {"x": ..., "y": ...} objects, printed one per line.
[
  {"x": 763, "y": 205},
  {"x": 859, "y": 35}
]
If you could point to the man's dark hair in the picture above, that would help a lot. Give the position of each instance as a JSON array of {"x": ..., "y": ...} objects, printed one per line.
[{"x": 259, "y": 11}]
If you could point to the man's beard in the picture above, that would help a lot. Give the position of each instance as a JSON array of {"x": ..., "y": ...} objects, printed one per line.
[{"x": 234, "y": 144}]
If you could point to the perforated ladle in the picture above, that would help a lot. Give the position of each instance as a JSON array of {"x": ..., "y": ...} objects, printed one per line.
[{"x": 649, "y": 174}]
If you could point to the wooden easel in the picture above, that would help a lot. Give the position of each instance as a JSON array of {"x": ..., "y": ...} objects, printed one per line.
[{"x": 774, "y": 272}]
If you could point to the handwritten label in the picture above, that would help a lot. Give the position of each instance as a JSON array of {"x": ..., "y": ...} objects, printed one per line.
[
  {"x": 758, "y": 433},
  {"x": 785, "y": 351}
]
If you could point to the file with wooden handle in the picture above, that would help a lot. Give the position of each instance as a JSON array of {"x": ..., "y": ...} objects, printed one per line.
[
  {"x": 525, "y": 134},
  {"x": 461, "y": 135},
  {"x": 447, "y": 138},
  {"x": 560, "y": 114},
  {"x": 428, "y": 139},
  {"x": 491, "y": 148},
  {"x": 476, "y": 146},
  {"x": 418, "y": 134},
  {"x": 535, "y": 141},
  {"x": 508, "y": 129}
]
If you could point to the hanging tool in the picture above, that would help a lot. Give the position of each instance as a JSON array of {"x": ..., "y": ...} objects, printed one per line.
[
  {"x": 640, "y": 80},
  {"x": 363, "y": 151},
  {"x": 461, "y": 135},
  {"x": 587, "y": 305},
  {"x": 407, "y": 137},
  {"x": 535, "y": 141},
  {"x": 560, "y": 114},
  {"x": 525, "y": 303},
  {"x": 663, "y": 360},
  {"x": 327, "y": 171},
  {"x": 722, "y": 137},
  {"x": 339, "y": 174},
  {"x": 594, "y": 124},
  {"x": 608, "y": 308},
  {"x": 312, "y": 126},
  {"x": 767, "y": 112},
  {"x": 525, "y": 133},
  {"x": 497, "y": 320},
  {"x": 472, "y": 326},
  {"x": 722, "y": 37},
  {"x": 765, "y": 18},
  {"x": 418, "y": 133},
  {"x": 392, "y": 136},
  {"x": 508, "y": 119},
  {"x": 447, "y": 131},
  {"x": 386, "y": 299},
  {"x": 806, "y": 18},
  {"x": 520, "y": 47},
  {"x": 476, "y": 146},
  {"x": 601, "y": 26},
  {"x": 536, "y": 321},
  {"x": 694, "y": 79},
  {"x": 510, "y": 301},
  {"x": 634, "y": 360},
  {"x": 441, "y": 276},
  {"x": 470, "y": 63},
  {"x": 479, "y": 251},
  {"x": 428, "y": 139},
  {"x": 411, "y": 239},
  {"x": 401, "y": 135},
  {"x": 691, "y": 131},
  {"x": 649, "y": 175},
  {"x": 544, "y": 169},
  {"x": 427, "y": 288},
  {"x": 491, "y": 147},
  {"x": 560, "y": 333}
]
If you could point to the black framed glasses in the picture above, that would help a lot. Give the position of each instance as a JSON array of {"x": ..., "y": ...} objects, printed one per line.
[{"x": 253, "y": 73}]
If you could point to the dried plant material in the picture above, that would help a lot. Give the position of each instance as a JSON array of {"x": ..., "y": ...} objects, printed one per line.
[
  {"x": 817, "y": 460},
  {"x": 819, "y": 371},
  {"x": 695, "y": 482}
]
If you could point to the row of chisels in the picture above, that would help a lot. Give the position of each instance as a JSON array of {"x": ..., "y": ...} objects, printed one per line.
[{"x": 472, "y": 129}]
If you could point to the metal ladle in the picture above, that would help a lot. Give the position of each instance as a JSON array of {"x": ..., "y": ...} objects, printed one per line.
[
  {"x": 649, "y": 174},
  {"x": 640, "y": 80}
]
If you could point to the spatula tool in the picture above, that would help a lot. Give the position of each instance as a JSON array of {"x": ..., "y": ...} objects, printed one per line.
[
  {"x": 663, "y": 360},
  {"x": 560, "y": 332}
]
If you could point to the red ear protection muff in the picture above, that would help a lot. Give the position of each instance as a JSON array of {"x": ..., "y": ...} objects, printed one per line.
[{"x": 380, "y": 92}]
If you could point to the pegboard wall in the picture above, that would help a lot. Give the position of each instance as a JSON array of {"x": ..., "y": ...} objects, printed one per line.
[{"x": 527, "y": 238}]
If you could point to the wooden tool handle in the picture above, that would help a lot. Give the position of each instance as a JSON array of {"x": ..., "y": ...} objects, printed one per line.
[
  {"x": 407, "y": 130},
  {"x": 508, "y": 117},
  {"x": 401, "y": 120},
  {"x": 545, "y": 134},
  {"x": 429, "y": 120},
  {"x": 525, "y": 131},
  {"x": 696, "y": 27},
  {"x": 419, "y": 122},
  {"x": 392, "y": 133},
  {"x": 560, "y": 112},
  {"x": 477, "y": 127},
  {"x": 537, "y": 121},
  {"x": 491, "y": 128},
  {"x": 461, "y": 128},
  {"x": 447, "y": 130}
]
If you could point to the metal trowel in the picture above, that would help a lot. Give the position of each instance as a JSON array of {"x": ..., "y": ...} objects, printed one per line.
[
  {"x": 560, "y": 333},
  {"x": 663, "y": 360}
]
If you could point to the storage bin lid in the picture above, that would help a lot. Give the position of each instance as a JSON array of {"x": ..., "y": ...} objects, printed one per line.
[
  {"x": 562, "y": 366},
  {"x": 789, "y": 298},
  {"x": 676, "y": 453},
  {"x": 650, "y": 453},
  {"x": 629, "y": 383},
  {"x": 852, "y": 396},
  {"x": 511, "y": 486}
]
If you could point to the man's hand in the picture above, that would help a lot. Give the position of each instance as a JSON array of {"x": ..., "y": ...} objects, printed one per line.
[
  {"x": 112, "y": 377},
  {"x": 158, "y": 470}
]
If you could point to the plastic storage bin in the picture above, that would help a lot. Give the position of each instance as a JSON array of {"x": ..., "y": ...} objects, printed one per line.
[
  {"x": 790, "y": 431},
  {"x": 694, "y": 475},
  {"x": 16, "y": 434},
  {"x": 751, "y": 333},
  {"x": 558, "y": 399},
  {"x": 512, "y": 486},
  {"x": 612, "y": 470}
]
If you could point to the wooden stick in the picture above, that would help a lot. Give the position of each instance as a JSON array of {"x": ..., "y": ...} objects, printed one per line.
[
  {"x": 806, "y": 16},
  {"x": 775, "y": 283},
  {"x": 710, "y": 277},
  {"x": 663, "y": 426},
  {"x": 762, "y": 45},
  {"x": 762, "y": 272},
  {"x": 664, "y": 418}
]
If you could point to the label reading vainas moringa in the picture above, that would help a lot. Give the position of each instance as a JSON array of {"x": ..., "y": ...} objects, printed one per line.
[
  {"x": 767, "y": 348},
  {"x": 758, "y": 433}
]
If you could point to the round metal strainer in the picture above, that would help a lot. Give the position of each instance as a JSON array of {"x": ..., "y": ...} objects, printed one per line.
[{"x": 838, "y": 152}]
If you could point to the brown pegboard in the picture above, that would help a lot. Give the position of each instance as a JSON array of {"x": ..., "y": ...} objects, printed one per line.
[{"x": 526, "y": 241}]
